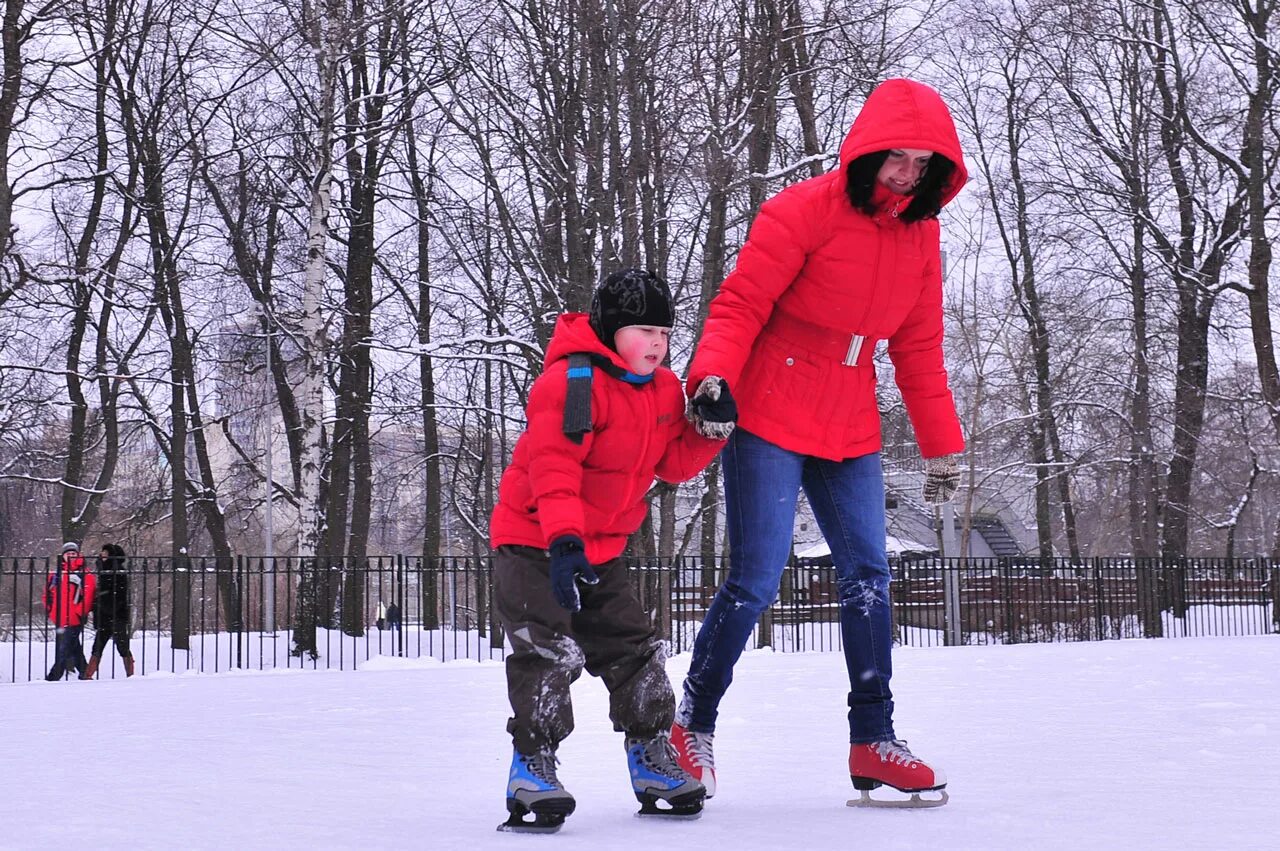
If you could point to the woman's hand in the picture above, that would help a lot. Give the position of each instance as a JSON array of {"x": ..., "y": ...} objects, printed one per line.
[
  {"x": 941, "y": 478},
  {"x": 712, "y": 409}
]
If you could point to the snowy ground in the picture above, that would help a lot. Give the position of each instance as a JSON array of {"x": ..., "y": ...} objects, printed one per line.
[{"x": 1121, "y": 744}]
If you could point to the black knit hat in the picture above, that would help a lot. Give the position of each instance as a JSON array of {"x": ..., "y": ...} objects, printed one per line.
[{"x": 630, "y": 297}]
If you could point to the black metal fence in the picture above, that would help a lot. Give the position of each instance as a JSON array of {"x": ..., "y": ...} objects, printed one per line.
[{"x": 254, "y": 613}]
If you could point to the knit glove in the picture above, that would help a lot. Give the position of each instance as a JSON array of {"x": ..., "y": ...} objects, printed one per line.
[
  {"x": 569, "y": 566},
  {"x": 941, "y": 478},
  {"x": 712, "y": 409}
]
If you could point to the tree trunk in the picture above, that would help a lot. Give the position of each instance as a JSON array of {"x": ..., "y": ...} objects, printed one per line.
[
  {"x": 431, "y": 502},
  {"x": 326, "y": 38}
]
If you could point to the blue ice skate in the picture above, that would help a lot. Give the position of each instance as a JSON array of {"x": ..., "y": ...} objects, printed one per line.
[
  {"x": 534, "y": 788},
  {"x": 662, "y": 787}
]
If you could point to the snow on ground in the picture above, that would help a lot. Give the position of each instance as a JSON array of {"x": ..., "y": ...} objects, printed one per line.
[{"x": 1120, "y": 744}]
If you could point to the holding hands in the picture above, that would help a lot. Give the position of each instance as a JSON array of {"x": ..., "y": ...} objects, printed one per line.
[{"x": 712, "y": 409}]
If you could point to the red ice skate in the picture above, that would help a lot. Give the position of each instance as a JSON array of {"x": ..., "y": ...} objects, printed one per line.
[
  {"x": 891, "y": 764},
  {"x": 693, "y": 752}
]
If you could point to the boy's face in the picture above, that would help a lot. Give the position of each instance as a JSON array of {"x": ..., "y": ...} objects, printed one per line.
[{"x": 643, "y": 347}]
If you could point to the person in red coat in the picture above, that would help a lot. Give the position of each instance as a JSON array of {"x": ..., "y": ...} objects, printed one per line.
[
  {"x": 832, "y": 266},
  {"x": 68, "y": 599},
  {"x": 604, "y": 418}
]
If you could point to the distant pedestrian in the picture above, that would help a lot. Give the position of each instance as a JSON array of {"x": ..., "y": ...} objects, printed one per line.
[
  {"x": 111, "y": 609},
  {"x": 68, "y": 598},
  {"x": 382, "y": 615},
  {"x": 393, "y": 616}
]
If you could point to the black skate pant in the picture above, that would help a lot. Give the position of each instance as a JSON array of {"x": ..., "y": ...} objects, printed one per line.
[
  {"x": 117, "y": 631},
  {"x": 611, "y": 637}
]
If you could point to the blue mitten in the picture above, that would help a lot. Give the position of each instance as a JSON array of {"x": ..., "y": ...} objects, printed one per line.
[{"x": 569, "y": 566}]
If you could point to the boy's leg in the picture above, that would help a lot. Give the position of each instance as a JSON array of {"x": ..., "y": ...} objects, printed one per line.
[
  {"x": 847, "y": 498},
  {"x": 545, "y": 659},
  {"x": 622, "y": 648},
  {"x": 60, "y": 646},
  {"x": 77, "y": 650},
  {"x": 761, "y": 486}
]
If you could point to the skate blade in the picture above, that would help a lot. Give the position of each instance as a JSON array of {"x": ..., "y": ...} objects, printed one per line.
[
  {"x": 670, "y": 815},
  {"x": 530, "y": 827},
  {"x": 542, "y": 823},
  {"x": 548, "y": 816},
  {"x": 682, "y": 807},
  {"x": 915, "y": 802}
]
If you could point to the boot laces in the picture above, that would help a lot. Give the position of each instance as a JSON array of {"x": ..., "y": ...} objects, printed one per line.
[
  {"x": 895, "y": 750},
  {"x": 658, "y": 755},
  {"x": 542, "y": 765},
  {"x": 699, "y": 747}
]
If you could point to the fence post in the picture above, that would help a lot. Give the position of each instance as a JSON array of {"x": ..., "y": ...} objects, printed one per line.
[
  {"x": 951, "y": 601},
  {"x": 1097, "y": 597},
  {"x": 241, "y": 596},
  {"x": 950, "y": 578}
]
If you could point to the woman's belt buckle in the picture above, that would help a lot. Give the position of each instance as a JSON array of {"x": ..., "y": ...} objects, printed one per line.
[{"x": 855, "y": 348}]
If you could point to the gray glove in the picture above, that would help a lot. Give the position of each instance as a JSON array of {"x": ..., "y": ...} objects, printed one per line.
[
  {"x": 712, "y": 409},
  {"x": 941, "y": 478}
]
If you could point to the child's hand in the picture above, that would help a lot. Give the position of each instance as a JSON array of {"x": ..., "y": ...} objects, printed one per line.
[
  {"x": 569, "y": 566},
  {"x": 712, "y": 409}
]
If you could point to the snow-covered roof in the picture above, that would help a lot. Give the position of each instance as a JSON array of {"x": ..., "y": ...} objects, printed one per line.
[{"x": 893, "y": 545}]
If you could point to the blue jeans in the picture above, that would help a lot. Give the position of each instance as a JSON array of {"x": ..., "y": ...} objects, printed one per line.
[
  {"x": 761, "y": 484},
  {"x": 68, "y": 653}
]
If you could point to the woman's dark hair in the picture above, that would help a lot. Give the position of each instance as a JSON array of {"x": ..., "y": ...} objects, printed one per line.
[
  {"x": 116, "y": 554},
  {"x": 926, "y": 198}
]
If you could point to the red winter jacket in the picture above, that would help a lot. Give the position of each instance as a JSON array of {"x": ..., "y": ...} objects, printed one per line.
[
  {"x": 595, "y": 489},
  {"x": 814, "y": 273},
  {"x": 68, "y": 592}
]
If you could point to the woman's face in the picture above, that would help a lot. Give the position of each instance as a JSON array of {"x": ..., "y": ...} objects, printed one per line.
[
  {"x": 903, "y": 168},
  {"x": 105, "y": 554}
]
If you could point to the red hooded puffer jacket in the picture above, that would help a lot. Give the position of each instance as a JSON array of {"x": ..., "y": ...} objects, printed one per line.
[
  {"x": 68, "y": 592},
  {"x": 814, "y": 274},
  {"x": 595, "y": 489}
]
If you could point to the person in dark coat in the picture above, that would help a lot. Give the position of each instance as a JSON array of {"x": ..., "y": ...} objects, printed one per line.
[
  {"x": 111, "y": 609},
  {"x": 393, "y": 616}
]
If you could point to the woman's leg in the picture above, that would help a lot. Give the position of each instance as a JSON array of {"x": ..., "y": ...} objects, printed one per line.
[
  {"x": 120, "y": 633},
  {"x": 847, "y": 498},
  {"x": 100, "y": 638},
  {"x": 761, "y": 485}
]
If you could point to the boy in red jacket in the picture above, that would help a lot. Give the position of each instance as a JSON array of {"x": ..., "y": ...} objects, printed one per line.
[
  {"x": 68, "y": 599},
  {"x": 604, "y": 418}
]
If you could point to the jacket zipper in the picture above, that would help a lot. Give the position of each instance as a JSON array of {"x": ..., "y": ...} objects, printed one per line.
[{"x": 641, "y": 455}]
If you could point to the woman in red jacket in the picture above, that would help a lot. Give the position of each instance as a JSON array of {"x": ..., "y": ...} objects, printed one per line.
[{"x": 832, "y": 266}]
